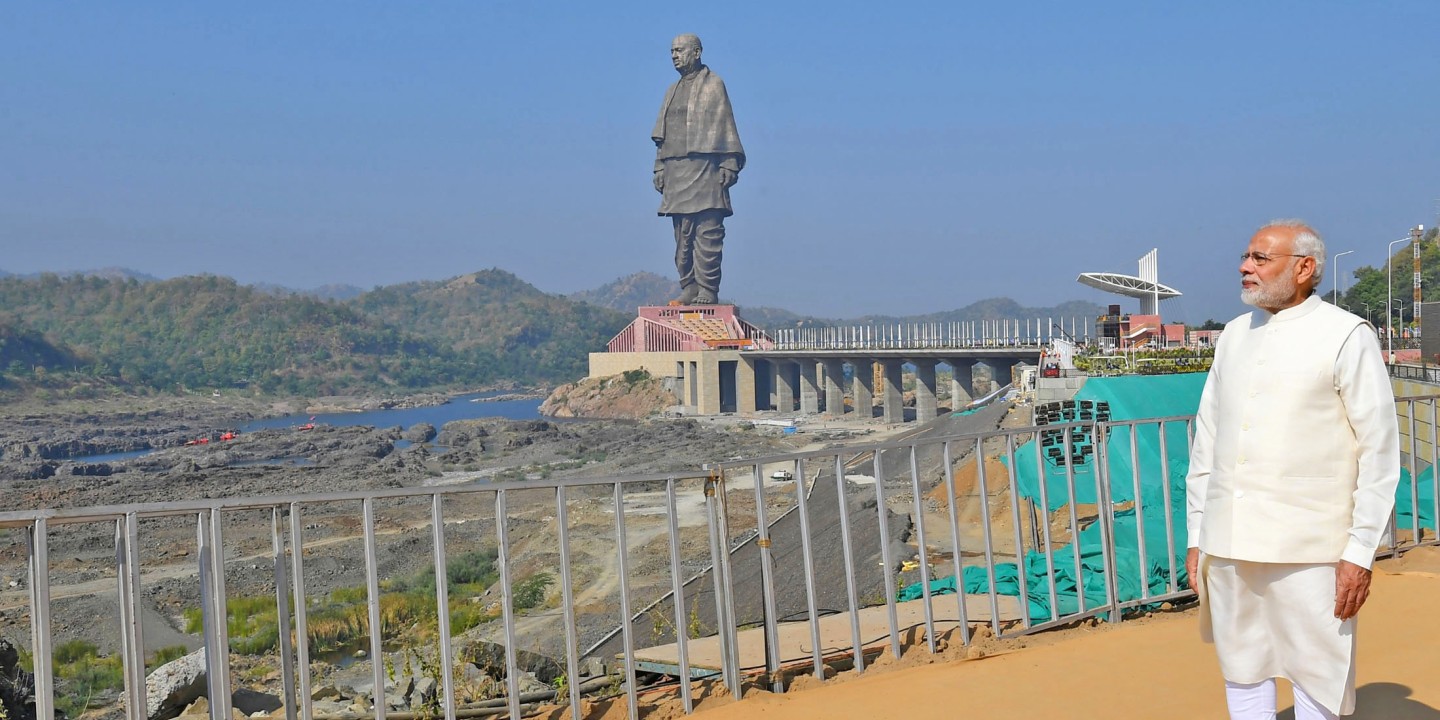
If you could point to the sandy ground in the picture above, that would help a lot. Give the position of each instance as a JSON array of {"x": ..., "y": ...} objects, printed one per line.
[{"x": 1153, "y": 667}]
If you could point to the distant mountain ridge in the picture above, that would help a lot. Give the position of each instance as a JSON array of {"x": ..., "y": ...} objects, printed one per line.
[
  {"x": 110, "y": 273},
  {"x": 329, "y": 291},
  {"x": 630, "y": 292},
  {"x": 206, "y": 331},
  {"x": 646, "y": 288},
  {"x": 332, "y": 291},
  {"x": 483, "y": 328}
]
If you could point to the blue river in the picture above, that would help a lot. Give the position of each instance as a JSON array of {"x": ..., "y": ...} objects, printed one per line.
[{"x": 460, "y": 407}]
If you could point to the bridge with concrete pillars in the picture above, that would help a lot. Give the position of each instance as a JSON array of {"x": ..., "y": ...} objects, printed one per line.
[
  {"x": 719, "y": 364},
  {"x": 815, "y": 381}
]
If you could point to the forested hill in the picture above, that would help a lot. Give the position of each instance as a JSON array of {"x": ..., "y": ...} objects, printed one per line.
[
  {"x": 210, "y": 332},
  {"x": 495, "y": 315}
]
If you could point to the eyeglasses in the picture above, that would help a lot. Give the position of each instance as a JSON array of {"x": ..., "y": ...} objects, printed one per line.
[{"x": 1260, "y": 258}]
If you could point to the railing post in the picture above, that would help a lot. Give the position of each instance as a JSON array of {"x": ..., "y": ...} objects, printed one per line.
[
  {"x": 887, "y": 561},
  {"x": 622, "y": 554},
  {"x": 39, "y": 542},
  {"x": 441, "y": 564},
  {"x": 767, "y": 583},
  {"x": 282, "y": 614},
  {"x": 214, "y": 611},
  {"x": 851, "y": 596},
  {"x": 677, "y": 591},
  {"x": 132, "y": 636},
  {"x": 302, "y": 624},
  {"x": 567, "y": 596},
  {"x": 719, "y": 549},
  {"x": 1106, "y": 509},
  {"x": 372, "y": 597}
]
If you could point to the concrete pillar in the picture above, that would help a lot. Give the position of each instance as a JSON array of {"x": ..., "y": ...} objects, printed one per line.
[
  {"x": 863, "y": 388},
  {"x": 809, "y": 387},
  {"x": 1000, "y": 371},
  {"x": 692, "y": 393},
  {"x": 784, "y": 385},
  {"x": 682, "y": 383},
  {"x": 962, "y": 385},
  {"x": 707, "y": 385},
  {"x": 894, "y": 402},
  {"x": 745, "y": 386},
  {"x": 835, "y": 387},
  {"x": 924, "y": 390}
]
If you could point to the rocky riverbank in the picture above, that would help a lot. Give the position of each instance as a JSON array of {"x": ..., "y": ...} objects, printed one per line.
[{"x": 633, "y": 395}]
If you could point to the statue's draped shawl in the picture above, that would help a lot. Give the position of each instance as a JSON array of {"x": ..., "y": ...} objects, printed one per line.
[{"x": 710, "y": 123}]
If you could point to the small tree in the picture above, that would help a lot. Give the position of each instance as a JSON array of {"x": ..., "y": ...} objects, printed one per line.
[{"x": 530, "y": 592}]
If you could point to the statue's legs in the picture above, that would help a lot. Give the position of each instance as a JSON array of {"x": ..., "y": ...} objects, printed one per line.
[{"x": 699, "y": 244}]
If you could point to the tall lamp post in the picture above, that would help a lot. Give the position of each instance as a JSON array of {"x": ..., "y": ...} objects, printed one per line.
[
  {"x": 1335, "y": 277},
  {"x": 1395, "y": 312},
  {"x": 1389, "y": 319}
]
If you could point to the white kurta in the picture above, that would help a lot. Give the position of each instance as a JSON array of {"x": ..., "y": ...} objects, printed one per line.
[{"x": 1293, "y": 468}]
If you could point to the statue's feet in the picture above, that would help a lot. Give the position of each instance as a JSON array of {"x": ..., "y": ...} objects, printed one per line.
[
  {"x": 687, "y": 294},
  {"x": 704, "y": 297}
]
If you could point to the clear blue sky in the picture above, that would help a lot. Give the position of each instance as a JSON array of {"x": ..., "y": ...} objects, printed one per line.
[{"x": 902, "y": 157}]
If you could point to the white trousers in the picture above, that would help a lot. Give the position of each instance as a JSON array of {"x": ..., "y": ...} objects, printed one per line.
[{"x": 1256, "y": 701}]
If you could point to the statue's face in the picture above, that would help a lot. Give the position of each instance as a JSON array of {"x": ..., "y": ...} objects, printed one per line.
[{"x": 684, "y": 54}]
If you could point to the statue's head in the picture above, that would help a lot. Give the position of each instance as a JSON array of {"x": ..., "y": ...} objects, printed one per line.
[{"x": 685, "y": 52}]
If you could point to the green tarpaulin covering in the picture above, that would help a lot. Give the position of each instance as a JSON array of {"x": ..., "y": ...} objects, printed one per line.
[
  {"x": 1404, "y": 504},
  {"x": 1067, "y": 580},
  {"x": 1129, "y": 398}
]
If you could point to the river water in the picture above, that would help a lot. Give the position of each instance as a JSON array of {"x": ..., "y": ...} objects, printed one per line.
[{"x": 460, "y": 407}]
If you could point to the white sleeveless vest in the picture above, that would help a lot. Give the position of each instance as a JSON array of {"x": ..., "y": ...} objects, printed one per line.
[{"x": 1285, "y": 459}]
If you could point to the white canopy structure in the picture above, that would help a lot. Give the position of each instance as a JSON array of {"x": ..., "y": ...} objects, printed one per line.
[{"x": 1145, "y": 286}]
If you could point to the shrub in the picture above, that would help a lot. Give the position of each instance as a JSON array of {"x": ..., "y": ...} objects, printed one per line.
[
  {"x": 167, "y": 654},
  {"x": 530, "y": 592},
  {"x": 83, "y": 678}
]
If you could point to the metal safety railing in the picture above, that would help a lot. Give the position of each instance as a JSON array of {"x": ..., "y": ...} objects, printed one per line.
[
  {"x": 1418, "y": 417},
  {"x": 995, "y": 333},
  {"x": 750, "y": 572},
  {"x": 1421, "y": 373}
]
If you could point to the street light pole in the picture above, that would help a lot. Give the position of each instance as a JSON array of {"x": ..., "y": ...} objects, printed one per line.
[
  {"x": 1335, "y": 277},
  {"x": 1389, "y": 319},
  {"x": 1397, "y": 307}
]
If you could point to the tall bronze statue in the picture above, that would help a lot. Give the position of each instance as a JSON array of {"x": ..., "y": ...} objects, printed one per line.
[{"x": 697, "y": 158}]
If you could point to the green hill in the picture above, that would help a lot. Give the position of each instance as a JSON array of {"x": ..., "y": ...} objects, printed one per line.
[
  {"x": 24, "y": 350},
  {"x": 208, "y": 331},
  {"x": 494, "y": 316}
]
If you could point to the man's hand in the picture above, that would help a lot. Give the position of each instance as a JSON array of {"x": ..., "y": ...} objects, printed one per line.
[
  {"x": 728, "y": 177},
  {"x": 660, "y": 182},
  {"x": 1192, "y": 566},
  {"x": 1352, "y": 587}
]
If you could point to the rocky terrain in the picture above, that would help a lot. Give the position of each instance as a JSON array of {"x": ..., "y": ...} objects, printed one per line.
[
  {"x": 37, "y": 471},
  {"x": 632, "y": 396},
  {"x": 470, "y": 457}
]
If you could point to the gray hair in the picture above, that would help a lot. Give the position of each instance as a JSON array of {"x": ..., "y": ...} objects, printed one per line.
[{"x": 1307, "y": 244}]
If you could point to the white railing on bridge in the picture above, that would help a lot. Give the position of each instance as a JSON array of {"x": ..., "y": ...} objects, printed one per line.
[
  {"x": 798, "y": 547},
  {"x": 1023, "y": 332}
]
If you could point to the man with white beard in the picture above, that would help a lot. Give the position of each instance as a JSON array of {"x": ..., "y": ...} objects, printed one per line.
[{"x": 1291, "y": 484}]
